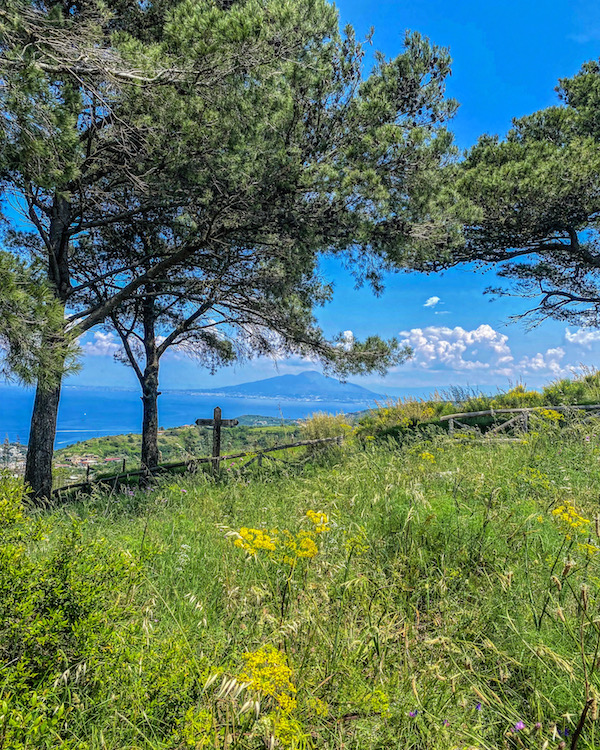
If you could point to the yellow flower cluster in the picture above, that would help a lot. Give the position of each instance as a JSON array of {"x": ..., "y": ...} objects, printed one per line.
[
  {"x": 284, "y": 546},
  {"x": 252, "y": 540},
  {"x": 573, "y": 522},
  {"x": 427, "y": 456},
  {"x": 319, "y": 520},
  {"x": 570, "y": 518},
  {"x": 551, "y": 415},
  {"x": 267, "y": 672},
  {"x": 300, "y": 545}
]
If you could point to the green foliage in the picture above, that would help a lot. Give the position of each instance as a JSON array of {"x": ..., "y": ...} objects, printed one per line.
[
  {"x": 323, "y": 425},
  {"x": 406, "y": 418},
  {"x": 57, "y": 616},
  {"x": 401, "y": 417},
  {"x": 283, "y": 152},
  {"x": 583, "y": 389},
  {"x": 32, "y": 343},
  {"x": 530, "y": 203},
  {"x": 515, "y": 398},
  {"x": 441, "y": 594},
  {"x": 180, "y": 443}
]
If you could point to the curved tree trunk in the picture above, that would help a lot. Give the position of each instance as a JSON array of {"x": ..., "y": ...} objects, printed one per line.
[{"x": 40, "y": 446}]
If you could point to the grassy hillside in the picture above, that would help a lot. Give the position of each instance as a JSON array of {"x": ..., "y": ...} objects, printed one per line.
[
  {"x": 174, "y": 444},
  {"x": 443, "y": 593}
]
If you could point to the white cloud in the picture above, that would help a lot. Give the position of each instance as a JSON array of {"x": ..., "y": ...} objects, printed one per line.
[
  {"x": 548, "y": 362},
  {"x": 443, "y": 348},
  {"x": 431, "y": 302},
  {"x": 583, "y": 337},
  {"x": 347, "y": 340},
  {"x": 102, "y": 345}
]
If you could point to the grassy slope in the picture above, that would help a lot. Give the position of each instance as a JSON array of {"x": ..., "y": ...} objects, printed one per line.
[
  {"x": 174, "y": 444},
  {"x": 428, "y": 619}
]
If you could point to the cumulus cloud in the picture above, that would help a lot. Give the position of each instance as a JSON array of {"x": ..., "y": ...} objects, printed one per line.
[
  {"x": 102, "y": 344},
  {"x": 431, "y": 302},
  {"x": 582, "y": 336},
  {"x": 548, "y": 362},
  {"x": 440, "y": 347},
  {"x": 479, "y": 352}
]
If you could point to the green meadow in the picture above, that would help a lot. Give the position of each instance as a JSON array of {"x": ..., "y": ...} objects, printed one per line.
[{"x": 426, "y": 592}]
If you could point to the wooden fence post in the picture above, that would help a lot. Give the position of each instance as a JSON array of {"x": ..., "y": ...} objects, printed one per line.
[
  {"x": 451, "y": 427},
  {"x": 216, "y": 452}
]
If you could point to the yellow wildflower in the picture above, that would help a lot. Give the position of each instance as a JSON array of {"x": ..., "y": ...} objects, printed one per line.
[
  {"x": 251, "y": 540},
  {"x": 307, "y": 548},
  {"x": 319, "y": 519},
  {"x": 551, "y": 415},
  {"x": 267, "y": 672}
]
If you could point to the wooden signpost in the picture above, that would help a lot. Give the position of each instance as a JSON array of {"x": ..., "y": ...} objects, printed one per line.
[{"x": 216, "y": 423}]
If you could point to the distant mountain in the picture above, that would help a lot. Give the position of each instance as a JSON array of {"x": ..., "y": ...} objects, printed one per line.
[{"x": 307, "y": 386}]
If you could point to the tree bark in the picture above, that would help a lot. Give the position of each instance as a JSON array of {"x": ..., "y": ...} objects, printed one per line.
[
  {"x": 150, "y": 392},
  {"x": 40, "y": 447},
  {"x": 150, "y": 455}
]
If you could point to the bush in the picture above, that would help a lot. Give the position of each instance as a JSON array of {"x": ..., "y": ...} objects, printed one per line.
[
  {"x": 398, "y": 418},
  {"x": 322, "y": 425},
  {"x": 583, "y": 389},
  {"x": 57, "y": 616}
]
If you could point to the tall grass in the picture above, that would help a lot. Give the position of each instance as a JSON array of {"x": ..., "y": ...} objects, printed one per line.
[{"x": 447, "y": 598}]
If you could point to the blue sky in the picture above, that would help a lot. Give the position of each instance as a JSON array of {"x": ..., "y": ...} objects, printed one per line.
[{"x": 507, "y": 59}]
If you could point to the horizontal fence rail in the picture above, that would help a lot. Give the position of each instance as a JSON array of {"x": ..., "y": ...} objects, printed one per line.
[
  {"x": 522, "y": 410},
  {"x": 191, "y": 464},
  {"x": 522, "y": 415}
]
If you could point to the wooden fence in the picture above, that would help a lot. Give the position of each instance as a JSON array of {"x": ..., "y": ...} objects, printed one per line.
[
  {"x": 256, "y": 456},
  {"x": 520, "y": 420}
]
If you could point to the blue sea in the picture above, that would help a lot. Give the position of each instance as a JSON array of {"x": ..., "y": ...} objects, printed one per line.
[{"x": 93, "y": 412}]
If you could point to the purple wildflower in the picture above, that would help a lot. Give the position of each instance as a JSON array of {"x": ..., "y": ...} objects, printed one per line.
[
  {"x": 445, "y": 723},
  {"x": 478, "y": 707},
  {"x": 518, "y": 726},
  {"x": 412, "y": 714},
  {"x": 538, "y": 725}
]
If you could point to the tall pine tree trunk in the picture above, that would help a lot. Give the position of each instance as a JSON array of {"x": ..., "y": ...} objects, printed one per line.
[
  {"x": 150, "y": 455},
  {"x": 40, "y": 447},
  {"x": 150, "y": 392}
]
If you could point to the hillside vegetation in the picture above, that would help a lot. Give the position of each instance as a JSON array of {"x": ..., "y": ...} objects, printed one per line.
[
  {"x": 405, "y": 416},
  {"x": 439, "y": 593},
  {"x": 175, "y": 444}
]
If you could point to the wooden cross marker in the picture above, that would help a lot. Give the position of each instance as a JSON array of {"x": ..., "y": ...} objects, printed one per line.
[{"x": 216, "y": 423}]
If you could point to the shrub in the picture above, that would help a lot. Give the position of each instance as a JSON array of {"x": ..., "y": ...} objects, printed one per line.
[
  {"x": 57, "y": 615},
  {"x": 398, "y": 418},
  {"x": 322, "y": 425}
]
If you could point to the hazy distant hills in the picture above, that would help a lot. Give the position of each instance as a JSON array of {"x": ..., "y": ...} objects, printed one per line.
[{"x": 307, "y": 386}]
